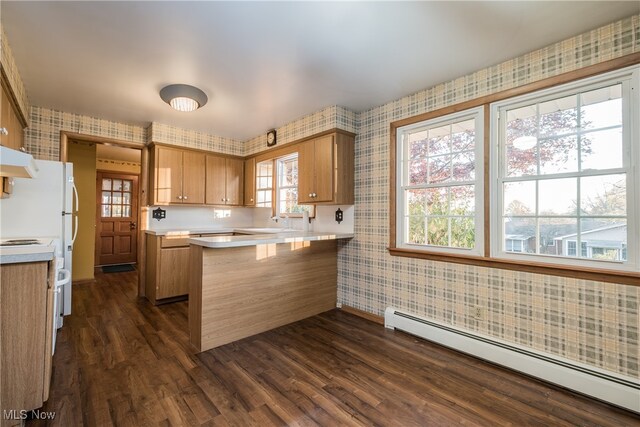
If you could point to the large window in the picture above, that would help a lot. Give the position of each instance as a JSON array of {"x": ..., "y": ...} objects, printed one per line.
[
  {"x": 562, "y": 191},
  {"x": 563, "y": 168},
  {"x": 439, "y": 204}
]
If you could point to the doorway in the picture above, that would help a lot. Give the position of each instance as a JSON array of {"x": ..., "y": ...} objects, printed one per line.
[{"x": 116, "y": 218}]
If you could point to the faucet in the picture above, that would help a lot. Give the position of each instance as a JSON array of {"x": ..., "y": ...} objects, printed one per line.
[
  {"x": 275, "y": 218},
  {"x": 285, "y": 221}
]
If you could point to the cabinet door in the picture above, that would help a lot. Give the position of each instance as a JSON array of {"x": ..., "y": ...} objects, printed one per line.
[
  {"x": 324, "y": 169},
  {"x": 216, "y": 177},
  {"x": 250, "y": 182},
  {"x": 235, "y": 181},
  {"x": 193, "y": 177},
  {"x": 306, "y": 172},
  {"x": 169, "y": 175},
  {"x": 173, "y": 278}
]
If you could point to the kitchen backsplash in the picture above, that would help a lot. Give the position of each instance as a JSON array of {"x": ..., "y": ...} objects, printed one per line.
[
  {"x": 590, "y": 322},
  {"x": 198, "y": 217},
  {"x": 203, "y": 217}
]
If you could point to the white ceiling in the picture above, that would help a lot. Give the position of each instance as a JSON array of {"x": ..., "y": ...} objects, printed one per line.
[{"x": 263, "y": 64}]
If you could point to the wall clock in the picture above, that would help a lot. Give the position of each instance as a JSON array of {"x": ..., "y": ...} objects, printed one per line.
[{"x": 271, "y": 138}]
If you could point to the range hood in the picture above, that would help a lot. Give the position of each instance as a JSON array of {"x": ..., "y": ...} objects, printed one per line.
[{"x": 17, "y": 164}]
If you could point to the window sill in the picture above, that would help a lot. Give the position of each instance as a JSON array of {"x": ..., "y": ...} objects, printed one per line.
[{"x": 601, "y": 275}]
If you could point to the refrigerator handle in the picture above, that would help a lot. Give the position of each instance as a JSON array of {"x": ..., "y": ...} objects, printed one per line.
[
  {"x": 75, "y": 231},
  {"x": 77, "y": 199}
]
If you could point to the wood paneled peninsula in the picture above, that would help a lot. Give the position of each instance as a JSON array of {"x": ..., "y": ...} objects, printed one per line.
[{"x": 240, "y": 286}]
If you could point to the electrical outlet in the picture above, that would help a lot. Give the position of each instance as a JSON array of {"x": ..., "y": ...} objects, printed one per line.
[{"x": 478, "y": 313}]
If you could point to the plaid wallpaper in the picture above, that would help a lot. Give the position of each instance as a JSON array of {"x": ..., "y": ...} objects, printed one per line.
[
  {"x": 590, "y": 322},
  {"x": 325, "y": 119},
  {"x": 42, "y": 137},
  {"x": 194, "y": 139},
  {"x": 11, "y": 70}
]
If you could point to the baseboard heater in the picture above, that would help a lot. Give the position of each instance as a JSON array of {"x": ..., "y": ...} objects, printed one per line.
[{"x": 600, "y": 384}]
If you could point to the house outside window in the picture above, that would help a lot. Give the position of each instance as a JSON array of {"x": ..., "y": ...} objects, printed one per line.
[{"x": 563, "y": 167}]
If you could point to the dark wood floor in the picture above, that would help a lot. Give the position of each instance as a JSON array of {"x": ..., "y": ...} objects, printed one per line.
[{"x": 121, "y": 361}]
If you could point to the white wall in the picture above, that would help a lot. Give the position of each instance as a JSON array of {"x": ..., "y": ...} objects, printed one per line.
[{"x": 183, "y": 218}]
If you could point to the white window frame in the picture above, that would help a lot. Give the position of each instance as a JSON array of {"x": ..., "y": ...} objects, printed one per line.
[
  {"x": 630, "y": 80},
  {"x": 264, "y": 189},
  {"x": 476, "y": 114},
  {"x": 278, "y": 167}
]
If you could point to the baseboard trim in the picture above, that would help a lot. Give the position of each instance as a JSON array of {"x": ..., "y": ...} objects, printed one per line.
[{"x": 363, "y": 314}]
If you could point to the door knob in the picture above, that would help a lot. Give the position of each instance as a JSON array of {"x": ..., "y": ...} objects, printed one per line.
[{"x": 132, "y": 225}]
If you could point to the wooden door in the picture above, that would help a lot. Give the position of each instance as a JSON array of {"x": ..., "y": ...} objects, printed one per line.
[
  {"x": 324, "y": 169},
  {"x": 306, "y": 172},
  {"x": 193, "y": 177},
  {"x": 235, "y": 181},
  {"x": 216, "y": 180},
  {"x": 168, "y": 175},
  {"x": 250, "y": 182},
  {"x": 116, "y": 218}
]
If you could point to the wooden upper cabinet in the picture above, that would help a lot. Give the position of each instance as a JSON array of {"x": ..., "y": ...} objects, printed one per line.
[
  {"x": 250, "y": 182},
  {"x": 178, "y": 176},
  {"x": 216, "y": 180},
  {"x": 235, "y": 181},
  {"x": 168, "y": 174},
  {"x": 13, "y": 134},
  {"x": 224, "y": 177},
  {"x": 193, "y": 177},
  {"x": 326, "y": 170}
]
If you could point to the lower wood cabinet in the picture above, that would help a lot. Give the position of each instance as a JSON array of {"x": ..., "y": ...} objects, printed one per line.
[
  {"x": 26, "y": 324},
  {"x": 167, "y": 270},
  {"x": 167, "y": 265}
]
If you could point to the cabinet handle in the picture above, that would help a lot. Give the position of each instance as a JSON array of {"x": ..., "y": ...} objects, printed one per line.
[
  {"x": 251, "y": 200},
  {"x": 222, "y": 200},
  {"x": 24, "y": 150},
  {"x": 4, "y": 131},
  {"x": 310, "y": 194},
  {"x": 179, "y": 197},
  {"x": 184, "y": 197},
  {"x": 314, "y": 195}
]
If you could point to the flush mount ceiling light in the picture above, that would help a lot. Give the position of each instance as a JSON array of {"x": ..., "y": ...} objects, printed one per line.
[{"x": 183, "y": 97}]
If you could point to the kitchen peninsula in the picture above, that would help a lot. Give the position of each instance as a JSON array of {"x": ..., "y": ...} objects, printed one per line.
[{"x": 242, "y": 285}]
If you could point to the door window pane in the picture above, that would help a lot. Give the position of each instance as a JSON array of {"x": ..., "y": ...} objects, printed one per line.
[{"x": 106, "y": 184}]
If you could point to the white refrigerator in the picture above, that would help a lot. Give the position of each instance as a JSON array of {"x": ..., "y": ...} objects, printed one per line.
[{"x": 45, "y": 207}]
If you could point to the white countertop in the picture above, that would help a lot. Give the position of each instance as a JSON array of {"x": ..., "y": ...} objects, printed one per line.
[
  {"x": 188, "y": 231},
  {"x": 220, "y": 242},
  {"x": 18, "y": 254}
]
